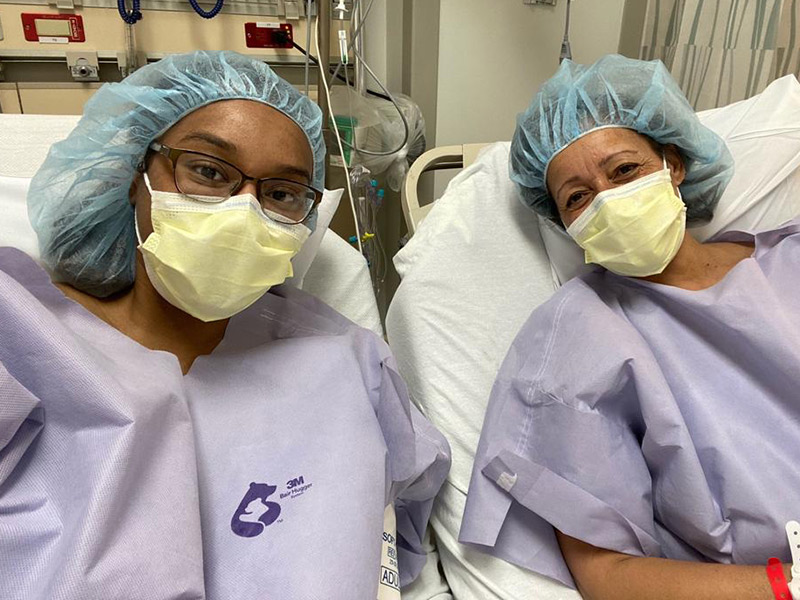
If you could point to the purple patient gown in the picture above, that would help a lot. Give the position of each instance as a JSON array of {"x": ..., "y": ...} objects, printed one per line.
[
  {"x": 649, "y": 419},
  {"x": 263, "y": 473}
]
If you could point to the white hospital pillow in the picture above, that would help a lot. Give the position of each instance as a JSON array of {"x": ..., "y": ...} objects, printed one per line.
[
  {"x": 339, "y": 276},
  {"x": 26, "y": 139},
  {"x": 763, "y": 134},
  {"x": 16, "y": 230},
  {"x": 325, "y": 211}
]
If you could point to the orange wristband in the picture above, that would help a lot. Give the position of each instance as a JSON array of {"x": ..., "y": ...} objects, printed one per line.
[{"x": 776, "y": 579}]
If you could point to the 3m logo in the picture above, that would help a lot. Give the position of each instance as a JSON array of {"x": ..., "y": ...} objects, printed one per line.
[
  {"x": 254, "y": 512},
  {"x": 293, "y": 483},
  {"x": 295, "y": 488}
]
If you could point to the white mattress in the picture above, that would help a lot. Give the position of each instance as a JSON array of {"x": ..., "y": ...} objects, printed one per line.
[{"x": 338, "y": 275}]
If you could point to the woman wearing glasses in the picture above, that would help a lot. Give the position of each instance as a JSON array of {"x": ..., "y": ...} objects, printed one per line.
[{"x": 171, "y": 424}]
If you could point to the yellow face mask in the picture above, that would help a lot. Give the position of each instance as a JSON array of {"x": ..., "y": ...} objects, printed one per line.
[
  {"x": 635, "y": 229},
  {"x": 214, "y": 258}
]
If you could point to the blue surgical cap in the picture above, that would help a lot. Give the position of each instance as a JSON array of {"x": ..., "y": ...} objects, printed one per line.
[
  {"x": 78, "y": 201},
  {"x": 617, "y": 92}
]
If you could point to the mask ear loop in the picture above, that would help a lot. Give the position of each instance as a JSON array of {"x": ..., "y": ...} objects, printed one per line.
[
  {"x": 136, "y": 209},
  {"x": 666, "y": 168},
  {"x": 136, "y": 226}
]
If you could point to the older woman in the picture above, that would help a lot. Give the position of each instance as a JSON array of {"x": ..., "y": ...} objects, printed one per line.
[
  {"x": 171, "y": 424},
  {"x": 645, "y": 421}
]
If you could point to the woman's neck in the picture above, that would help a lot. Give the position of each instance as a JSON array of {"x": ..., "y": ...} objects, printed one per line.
[
  {"x": 145, "y": 317},
  {"x": 698, "y": 266}
]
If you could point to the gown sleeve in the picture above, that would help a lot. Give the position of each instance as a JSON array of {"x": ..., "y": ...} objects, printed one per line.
[
  {"x": 417, "y": 465},
  {"x": 21, "y": 420},
  {"x": 561, "y": 448}
]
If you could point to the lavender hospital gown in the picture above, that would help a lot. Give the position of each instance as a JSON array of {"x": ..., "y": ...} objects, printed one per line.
[
  {"x": 649, "y": 419},
  {"x": 262, "y": 473}
]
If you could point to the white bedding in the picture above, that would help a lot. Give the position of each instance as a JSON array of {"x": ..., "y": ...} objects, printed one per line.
[
  {"x": 328, "y": 267},
  {"x": 471, "y": 276},
  {"x": 481, "y": 262}
]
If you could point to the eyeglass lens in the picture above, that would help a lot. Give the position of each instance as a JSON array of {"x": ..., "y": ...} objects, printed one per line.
[{"x": 200, "y": 175}]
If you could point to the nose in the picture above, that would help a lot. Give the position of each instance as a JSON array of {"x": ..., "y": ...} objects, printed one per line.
[
  {"x": 248, "y": 187},
  {"x": 603, "y": 184}
]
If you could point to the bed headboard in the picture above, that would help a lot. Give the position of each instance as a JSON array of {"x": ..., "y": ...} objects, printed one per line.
[{"x": 443, "y": 157}]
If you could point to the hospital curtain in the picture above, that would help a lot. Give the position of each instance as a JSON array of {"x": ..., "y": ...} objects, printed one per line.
[{"x": 721, "y": 51}]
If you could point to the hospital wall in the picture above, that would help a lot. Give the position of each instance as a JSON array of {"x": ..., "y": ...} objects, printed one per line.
[{"x": 491, "y": 61}]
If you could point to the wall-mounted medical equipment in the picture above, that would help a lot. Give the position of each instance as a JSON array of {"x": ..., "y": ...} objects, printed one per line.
[
  {"x": 54, "y": 29},
  {"x": 288, "y": 9},
  {"x": 566, "y": 49},
  {"x": 36, "y": 76},
  {"x": 210, "y": 14},
  {"x": 135, "y": 14},
  {"x": 83, "y": 66},
  {"x": 268, "y": 35}
]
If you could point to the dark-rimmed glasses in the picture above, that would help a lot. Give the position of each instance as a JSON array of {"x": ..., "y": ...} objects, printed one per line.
[{"x": 206, "y": 178}]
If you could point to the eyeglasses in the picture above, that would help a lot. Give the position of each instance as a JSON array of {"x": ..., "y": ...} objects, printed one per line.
[{"x": 201, "y": 176}]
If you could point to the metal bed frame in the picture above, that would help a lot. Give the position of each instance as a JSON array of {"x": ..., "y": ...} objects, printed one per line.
[{"x": 443, "y": 157}]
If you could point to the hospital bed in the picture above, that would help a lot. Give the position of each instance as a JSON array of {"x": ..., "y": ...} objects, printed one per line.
[
  {"x": 478, "y": 262},
  {"x": 327, "y": 267}
]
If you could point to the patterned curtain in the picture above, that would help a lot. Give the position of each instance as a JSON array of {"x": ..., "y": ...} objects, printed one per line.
[{"x": 721, "y": 51}]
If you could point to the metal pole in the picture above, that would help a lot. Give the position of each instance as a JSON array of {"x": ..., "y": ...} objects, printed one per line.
[
  {"x": 324, "y": 24},
  {"x": 358, "y": 18}
]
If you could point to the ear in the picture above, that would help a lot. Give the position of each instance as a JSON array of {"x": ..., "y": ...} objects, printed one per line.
[
  {"x": 136, "y": 184},
  {"x": 675, "y": 164}
]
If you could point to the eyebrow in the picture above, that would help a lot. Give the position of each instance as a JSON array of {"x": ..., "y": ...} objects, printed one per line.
[
  {"x": 214, "y": 140},
  {"x": 573, "y": 179},
  {"x": 293, "y": 170},
  {"x": 611, "y": 157},
  {"x": 210, "y": 138}
]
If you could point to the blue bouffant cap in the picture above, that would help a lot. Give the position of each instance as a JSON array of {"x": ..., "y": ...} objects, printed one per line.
[{"x": 78, "y": 201}]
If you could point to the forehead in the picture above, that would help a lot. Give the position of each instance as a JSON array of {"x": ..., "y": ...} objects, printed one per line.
[
  {"x": 591, "y": 149},
  {"x": 256, "y": 135}
]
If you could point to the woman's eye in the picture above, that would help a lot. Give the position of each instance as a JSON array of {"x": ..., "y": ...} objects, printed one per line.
[
  {"x": 281, "y": 196},
  {"x": 627, "y": 169},
  {"x": 210, "y": 173},
  {"x": 575, "y": 200}
]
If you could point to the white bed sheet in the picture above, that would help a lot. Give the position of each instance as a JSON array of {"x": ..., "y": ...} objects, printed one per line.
[
  {"x": 340, "y": 277},
  {"x": 472, "y": 273},
  {"x": 481, "y": 262}
]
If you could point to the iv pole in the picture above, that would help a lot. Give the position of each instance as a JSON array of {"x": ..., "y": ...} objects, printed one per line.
[{"x": 324, "y": 24}]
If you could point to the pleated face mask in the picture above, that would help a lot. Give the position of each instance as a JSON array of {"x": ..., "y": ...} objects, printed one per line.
[
  {"x": 212, "y": 258},
  {"x": 635, "y": 229}
]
